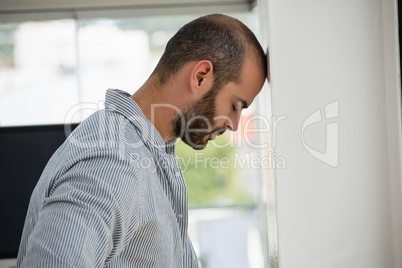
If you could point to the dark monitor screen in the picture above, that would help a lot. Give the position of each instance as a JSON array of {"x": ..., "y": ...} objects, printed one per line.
[{"x": 24, "y": 152}]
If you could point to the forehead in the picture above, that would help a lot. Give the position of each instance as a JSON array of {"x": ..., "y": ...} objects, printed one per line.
[{"x": 251, "y": 80}]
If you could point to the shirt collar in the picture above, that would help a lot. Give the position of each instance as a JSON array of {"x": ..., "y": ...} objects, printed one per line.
[{"x": 120, "y": 101}]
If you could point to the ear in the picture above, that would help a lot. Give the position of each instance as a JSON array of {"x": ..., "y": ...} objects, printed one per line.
[{"x": 202, "y": 77}]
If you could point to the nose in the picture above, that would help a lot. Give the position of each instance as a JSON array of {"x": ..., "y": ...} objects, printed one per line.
[{"x": 233, "y": 123}]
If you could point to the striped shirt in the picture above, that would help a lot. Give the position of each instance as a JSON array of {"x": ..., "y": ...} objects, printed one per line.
[{"x": 113, "y": 195}]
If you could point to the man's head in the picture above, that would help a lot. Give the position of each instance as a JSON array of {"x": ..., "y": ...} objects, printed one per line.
[
  {"x": 223, "y": 48},
  {"x": 220, "y": 39}
]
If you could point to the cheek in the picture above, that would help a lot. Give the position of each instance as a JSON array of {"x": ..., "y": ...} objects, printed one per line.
[
  {"x": 223, "y": 114},
  {"x": 225, "y": 117},
  {"x": 223, "y": 105}
]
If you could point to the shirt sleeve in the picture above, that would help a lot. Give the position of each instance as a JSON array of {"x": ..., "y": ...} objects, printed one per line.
[{"x": 88, "y": 214}]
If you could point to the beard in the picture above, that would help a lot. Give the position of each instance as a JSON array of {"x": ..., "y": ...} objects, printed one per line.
[{"x": 195, "y": 124}]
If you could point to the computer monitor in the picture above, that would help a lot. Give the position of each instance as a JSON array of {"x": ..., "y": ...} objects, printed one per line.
[{"x": 24, "y": 152}]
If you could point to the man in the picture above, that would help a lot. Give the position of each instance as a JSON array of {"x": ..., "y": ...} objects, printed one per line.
[{"x": 113, "y": 195}]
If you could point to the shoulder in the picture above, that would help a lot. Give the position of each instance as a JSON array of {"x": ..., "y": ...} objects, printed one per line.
[{"x": 105, "y": 131}]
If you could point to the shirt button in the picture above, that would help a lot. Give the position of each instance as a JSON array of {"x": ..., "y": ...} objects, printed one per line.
[{"x": 177, "y": 174}]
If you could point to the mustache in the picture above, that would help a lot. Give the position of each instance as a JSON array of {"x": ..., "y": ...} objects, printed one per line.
[{"x": 218, "y": 131}]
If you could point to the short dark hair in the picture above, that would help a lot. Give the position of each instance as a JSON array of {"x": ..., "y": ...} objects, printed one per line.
[{"x": 223, "y": 40}]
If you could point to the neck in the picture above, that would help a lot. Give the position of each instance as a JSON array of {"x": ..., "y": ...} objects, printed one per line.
[{"x": 159, "y": 106}]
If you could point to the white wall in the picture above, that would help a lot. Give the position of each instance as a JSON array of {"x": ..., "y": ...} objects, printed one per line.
[{"x": 344, "y": 211}]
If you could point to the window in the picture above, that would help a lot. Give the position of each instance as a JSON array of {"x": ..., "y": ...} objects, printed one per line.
[
  {"x": 58, "y": 71},
  {"x": 38, "y": 82}
]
